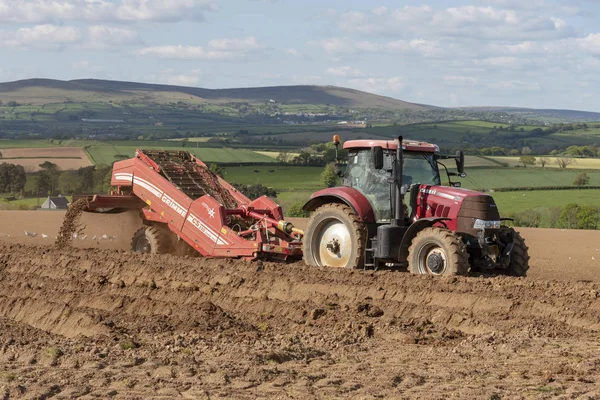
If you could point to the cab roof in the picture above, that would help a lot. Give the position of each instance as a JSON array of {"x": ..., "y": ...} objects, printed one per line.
[{"x": 408, "y": 145}]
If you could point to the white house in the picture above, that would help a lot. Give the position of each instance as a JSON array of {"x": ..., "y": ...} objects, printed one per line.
[{"x": 55, "y": 203}]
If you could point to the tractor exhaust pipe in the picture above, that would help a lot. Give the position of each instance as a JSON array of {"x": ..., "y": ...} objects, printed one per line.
[{"x": 398, "y": 193}]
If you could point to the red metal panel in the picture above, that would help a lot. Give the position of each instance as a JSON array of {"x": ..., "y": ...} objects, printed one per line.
[
  {"x": 348, "y": 195},
  {"x": 408, "y": 145}
]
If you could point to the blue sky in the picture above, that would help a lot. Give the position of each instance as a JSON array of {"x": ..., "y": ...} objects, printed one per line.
[{"x": 531, "y": 53}]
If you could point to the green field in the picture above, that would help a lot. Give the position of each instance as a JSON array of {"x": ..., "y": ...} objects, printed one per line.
[
  {"x": 497, "y": 178},
  {"x": 284, "y": 178},
  {"x": 105, "y": 154},
  {"x": 577, "y": 163},
  {"x": 513, "y": 202}
]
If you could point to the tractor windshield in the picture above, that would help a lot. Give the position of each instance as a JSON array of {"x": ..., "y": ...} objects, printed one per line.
[{"x": 376, "y": 185}]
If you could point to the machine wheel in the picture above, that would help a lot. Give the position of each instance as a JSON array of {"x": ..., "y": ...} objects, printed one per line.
[
  {"x": 438, "y": 251},
  {"x": 151, "y": 239},
  {"x": 519, "y": 256},
  {"x": 335, "y": 237}
]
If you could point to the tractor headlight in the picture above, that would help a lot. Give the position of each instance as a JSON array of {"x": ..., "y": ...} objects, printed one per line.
[{"x": 482, "y": 224}]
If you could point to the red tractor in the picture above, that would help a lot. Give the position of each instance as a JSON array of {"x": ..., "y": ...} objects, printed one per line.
[{"x": 438, "y": 230}]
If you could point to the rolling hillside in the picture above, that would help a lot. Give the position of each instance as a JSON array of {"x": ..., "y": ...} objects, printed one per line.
[{"x": 43, "y": 91}]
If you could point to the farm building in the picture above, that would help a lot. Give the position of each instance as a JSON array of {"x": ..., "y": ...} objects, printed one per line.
[{"x": 55, "y": 203}]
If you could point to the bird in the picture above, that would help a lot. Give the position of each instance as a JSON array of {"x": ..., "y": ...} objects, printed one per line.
[
  {"x": 44, "y": 235},
  {"x": 30, "y": 234}
]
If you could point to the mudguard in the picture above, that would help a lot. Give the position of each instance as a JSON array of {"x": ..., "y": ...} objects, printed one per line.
[
  {"x": 346, "y": 195},
  {"x": 412, "y": 231}
]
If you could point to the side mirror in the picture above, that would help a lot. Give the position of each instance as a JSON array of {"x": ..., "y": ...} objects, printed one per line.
[
  {"x": 460, "y": 161},
  {"x": 377, "y": 157}
]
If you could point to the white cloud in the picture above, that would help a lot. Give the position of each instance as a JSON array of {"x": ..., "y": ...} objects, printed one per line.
[
  {"x": 515, "y": 85},
  {"x": 49, "y": 37},
  {"x": 28, "y": 11},
  {"x": 590, "y": 43},
  {"x": 377, "y": 85},
  {"x": 293, "y": 52},
  {"x": 460, "y": 80},
  {"x": 519, "y": 4},
  {"x": 81, "y": 64},
  {"x": 191, "y": 78},
  {"x": 185, "y": 53},
  {"x": 102, "y": 36},
  {"x": 465, "y": 21},
  {"x": 344, "y": 72},
  {"x": 247, "y": 44},
  {"x": 85, "y": 67},
  {"x": 217, "y": 50},
  {"x": 340, "y": 47}
]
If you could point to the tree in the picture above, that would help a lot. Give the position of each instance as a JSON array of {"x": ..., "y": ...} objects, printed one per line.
[
  {"x": 48, "y": 178},
  {"x": 283, "y": 156},
  {"x": 582, "y": 179},
  {"x": 543, "y": 161},
  {"x": 216, "y": 169},
  {"x": 296, "y": 211},
  {"x": 564, "y": 161},
  {"x": 526, "y": 151},
  {"x": 69, "y": 182},
  {"x": 42, "y": 184},
  {"x": 12, "y": 178},
  {"x": 568, "y": 216},
  {"x": 328, "y": 176},
  {"x": 527, "y": 160},
  {"x": 587, "y": 217}
]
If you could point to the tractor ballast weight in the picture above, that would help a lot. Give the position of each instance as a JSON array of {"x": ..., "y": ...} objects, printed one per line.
[{"x": 447, "y": 230}]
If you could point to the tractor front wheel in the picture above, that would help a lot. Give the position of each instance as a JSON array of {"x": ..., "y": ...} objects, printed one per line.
[
  {"x": 152, "y": 240},
  {"x": 438, "y": 251},
  {"x": 519, "y": 256},
  {"x": 335, "y": 237}
]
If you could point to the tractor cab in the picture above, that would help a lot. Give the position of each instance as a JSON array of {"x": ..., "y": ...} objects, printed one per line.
[{"x": 376, "y": 181}]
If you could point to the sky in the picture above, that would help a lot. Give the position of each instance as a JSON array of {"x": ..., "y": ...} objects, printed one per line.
[{"x": 523, "y": 53}]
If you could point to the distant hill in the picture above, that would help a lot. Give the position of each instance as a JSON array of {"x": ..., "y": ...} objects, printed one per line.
[{"x": 43, "y": 91}]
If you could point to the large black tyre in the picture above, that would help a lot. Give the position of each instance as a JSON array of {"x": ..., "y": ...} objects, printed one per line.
[
  {"x": 152, "y": 240},
  {"x": 335, "y": 237},
  {"x": 438, "y": 251},
  {"x": 519, "y": 255}
]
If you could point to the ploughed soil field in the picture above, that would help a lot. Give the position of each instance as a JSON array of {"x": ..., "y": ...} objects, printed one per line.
[
  {"x": 31, "y": 158},
  {"x": 95, "y": 321}
]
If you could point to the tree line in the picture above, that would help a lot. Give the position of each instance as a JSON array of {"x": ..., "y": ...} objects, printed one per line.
[
  {"x": 571, "y": 216},
  {"x": 51, "y": 181}
]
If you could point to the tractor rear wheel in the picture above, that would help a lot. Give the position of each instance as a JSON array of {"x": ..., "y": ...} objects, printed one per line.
[
  {"x": 519, "y": 256},
  {"x": 438, "y": 251},
  {"x": 152, "y": 240},
  {"x": 335, "y": 237}
]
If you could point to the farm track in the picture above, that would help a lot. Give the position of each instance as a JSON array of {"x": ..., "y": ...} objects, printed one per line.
[{"x": 98, "y": 323}]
